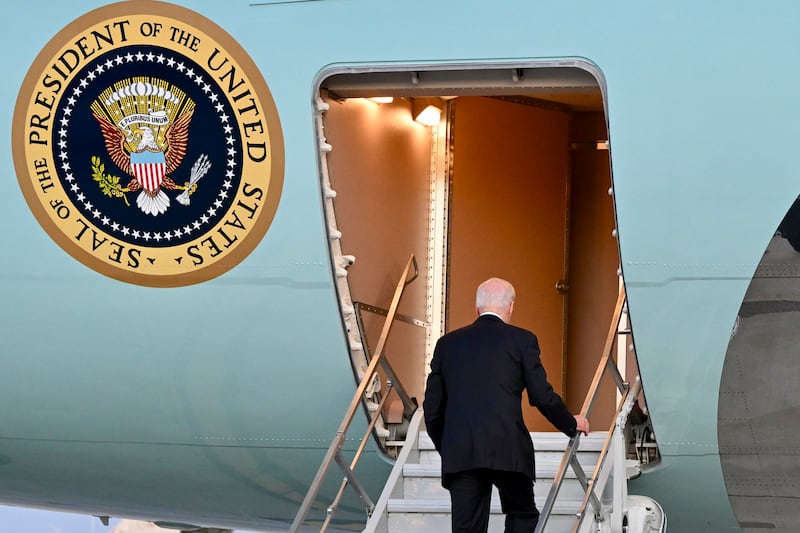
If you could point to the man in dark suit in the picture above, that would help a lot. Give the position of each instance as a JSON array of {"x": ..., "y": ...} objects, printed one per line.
[{"x": 473, "y": 413}]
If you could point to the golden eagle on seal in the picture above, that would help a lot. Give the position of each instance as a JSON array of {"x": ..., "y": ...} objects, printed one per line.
[{"x": 150, "y": 162}]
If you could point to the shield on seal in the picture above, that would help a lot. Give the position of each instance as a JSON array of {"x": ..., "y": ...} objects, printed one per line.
[{"x": 149, "y": 168}]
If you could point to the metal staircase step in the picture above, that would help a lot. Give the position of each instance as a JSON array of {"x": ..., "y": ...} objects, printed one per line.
[
  {"x": 442, "y": 505},
  {"x": 433, "y": 515},
  {"x": 424, "y": 481},
  {"x": 542, "y": 441},
  {"x": 544, "y": 469}
]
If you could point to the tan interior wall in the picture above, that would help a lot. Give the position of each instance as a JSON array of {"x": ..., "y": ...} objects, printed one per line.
[
  {"x": 379, "y": 168},
  {"x": 593, "y": 267},
  {"x": 507, "y": 218}
]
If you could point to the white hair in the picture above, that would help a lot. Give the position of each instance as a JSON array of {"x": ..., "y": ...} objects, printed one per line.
[{"x": 494, "y": 294}]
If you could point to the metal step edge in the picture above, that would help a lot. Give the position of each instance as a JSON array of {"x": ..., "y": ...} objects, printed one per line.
[
  {"x": 543, "y": 441},
  {"x": 544, "y": 470},
  {"x": 442, "y": 506}
]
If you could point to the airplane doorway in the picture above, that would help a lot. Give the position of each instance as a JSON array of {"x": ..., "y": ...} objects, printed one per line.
[{"x": 513, "y": 182}]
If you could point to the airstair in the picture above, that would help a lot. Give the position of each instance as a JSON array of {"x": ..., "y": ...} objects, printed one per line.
[
  {"x": 414, "y": 500},
  {"x": 586, "y": 476}
]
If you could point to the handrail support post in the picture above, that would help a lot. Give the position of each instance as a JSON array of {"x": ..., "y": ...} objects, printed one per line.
[
  {"x": 409, "y": 405},
  {"x": 355, "y": 483}
]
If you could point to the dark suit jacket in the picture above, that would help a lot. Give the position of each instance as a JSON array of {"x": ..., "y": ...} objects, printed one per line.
[{"x": 473, "y": 399}]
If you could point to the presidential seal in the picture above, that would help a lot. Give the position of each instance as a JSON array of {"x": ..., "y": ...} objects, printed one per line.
[{"x": 148, "y": 146}]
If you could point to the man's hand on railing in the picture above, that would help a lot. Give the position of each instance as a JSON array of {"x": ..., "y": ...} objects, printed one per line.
[{"x": 582, "y": 424}]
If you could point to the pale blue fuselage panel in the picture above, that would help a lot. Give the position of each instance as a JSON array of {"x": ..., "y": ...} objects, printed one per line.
[{"x": 230, "y": 372}]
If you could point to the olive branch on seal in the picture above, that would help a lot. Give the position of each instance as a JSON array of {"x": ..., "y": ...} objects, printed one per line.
[{"x": 109, "y": 184}]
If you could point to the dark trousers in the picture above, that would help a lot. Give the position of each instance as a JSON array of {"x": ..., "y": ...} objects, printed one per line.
[{"x": 471, "y": 493}]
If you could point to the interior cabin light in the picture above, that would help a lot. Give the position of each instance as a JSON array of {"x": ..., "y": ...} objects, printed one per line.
[
  {"x": 589, "y": 145},
  {"x": 381, "y": 99},
  {"x": 427, "y": 111}
]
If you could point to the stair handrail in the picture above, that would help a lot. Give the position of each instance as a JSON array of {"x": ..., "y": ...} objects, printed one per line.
[
  {"x": 334, "y": 450},
  {"x": 613, "y": 439},
  {"x": 569, "y": 459}
]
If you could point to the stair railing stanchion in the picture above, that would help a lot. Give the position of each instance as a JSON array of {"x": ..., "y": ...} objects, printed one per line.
[
  {"x": 409, "y": 406},
  {"x": 335, "y": 505},
  {"x": 612, "y": 440}
]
